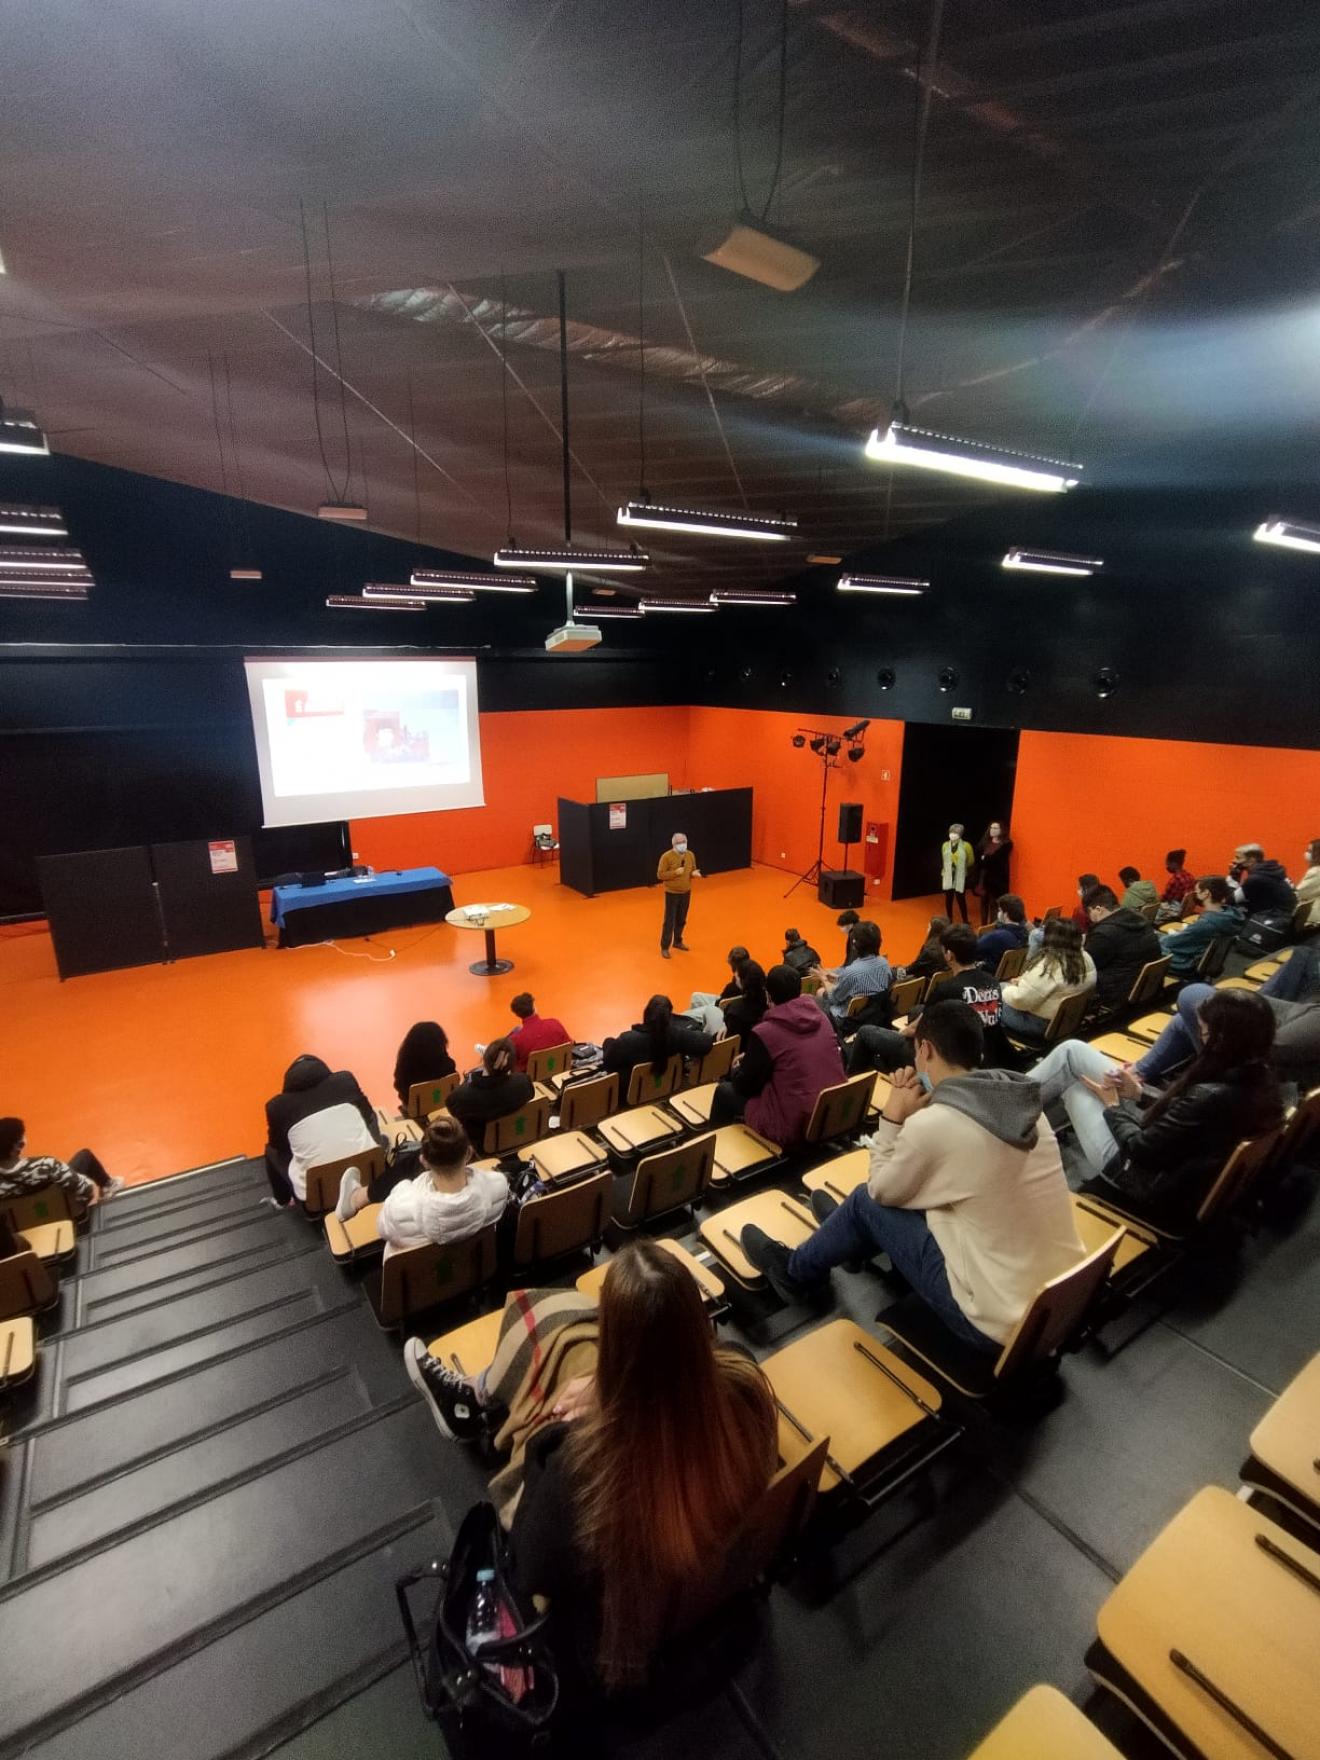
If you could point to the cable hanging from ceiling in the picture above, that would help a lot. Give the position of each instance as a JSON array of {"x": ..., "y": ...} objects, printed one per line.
[{"x": 339, "y": 504}]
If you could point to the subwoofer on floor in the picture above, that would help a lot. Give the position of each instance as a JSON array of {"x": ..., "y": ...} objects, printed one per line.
[{"x": 841, "y": 889}]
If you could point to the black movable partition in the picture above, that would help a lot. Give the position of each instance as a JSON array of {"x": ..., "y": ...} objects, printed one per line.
[
  {"x": 575, "y": 846},
  {"x": 101, "y": 907},
  {"x": 204, "y": 911},
  {"x": 595, "y": 858},
  {"x": 718, "y": 824}
]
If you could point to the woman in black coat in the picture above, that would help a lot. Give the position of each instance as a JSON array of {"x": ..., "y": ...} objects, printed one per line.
[
  {"x": 992, "y": 859},
  {"x": 423, "y": 1057},
  {"x": 654, "y": 1040}
]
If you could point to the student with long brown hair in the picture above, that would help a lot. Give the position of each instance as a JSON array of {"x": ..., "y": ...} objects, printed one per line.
[{"x": 628, "y": 1502}]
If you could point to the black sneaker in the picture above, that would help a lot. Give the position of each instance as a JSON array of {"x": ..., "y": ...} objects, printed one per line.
[
  {"x": 770, "y": 1258},
  {"x": 682, "y": 947},
  {"x": 823, "y": 1206},
  {"x": 451, "y": 1399}
]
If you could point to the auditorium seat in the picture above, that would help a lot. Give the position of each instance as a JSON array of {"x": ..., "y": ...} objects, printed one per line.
[
  {"x": 1263, "y": 969},
  {"x": 906, "y": 994},
  {"x": 1283, "y": 1468},
  {"x": 1243, "y": 983},
  {"x": 38, "y": 1209},
  {"x": 1054, "y": 1320},
  {"x": 517, "y": 1129},
  {"x": 584, "y": 1103},
  {"x": 840, "y": 1111},
  {"x": 398, "y": 1130},
  {"x": 782, "y": 1218},
  {"x": 52, "y": 1242},
  {"x": 26, "y": 1286},
  {"x": 1043, "y": 1725},
  {"x": 694, "y": 1105},
  {"x": 553, "y": 1224},
  {"x": 742, "y": 1153},
  {"x": 1233, "y": 1187},
  {"x": 1134, "y": 1261},
  {"x": 323, "y": 1181},
  {"x": 646, "y": 1085},
  {"x": 1150, "y": 1026},
  {"x": 18, "y": 1351},
  {"x": 564, "y": 1156},
  {"x": 1149, "y": 982},
  {"x": 1122, "y": 1047},
  {"x": 1066, "y": 1024},
  {"x": 839, "y": 1178},
  {"x": 1208, "y": 967},
  {"x": 358, "y": 1238},
  {"x": 712, "y": 1289},
  {"x": 705, "y": 1071},
  {"x": 1011, "y": 962},
  {"x": 672, "y": 1179},
  {"x": 424, "y": 1098},
  {"x": 469, "y": 1349},
  {"x": 551, "y": 1061},
  {"x": 880, "y": 1418},
  {"x": 1301, "y": 1125},
  {"x": 1211, "y": 1637},
  {"x": 641, "y": 1128},
  {"x": 422, "y": 1278}
]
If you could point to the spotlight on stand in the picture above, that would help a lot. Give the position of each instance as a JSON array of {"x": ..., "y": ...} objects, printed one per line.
[
  {"x": 818, "y": 744},
  {"x": 799, "y": 740},
  {"x": 857, "y": 729},
  {"x": 855, "y": 754}
]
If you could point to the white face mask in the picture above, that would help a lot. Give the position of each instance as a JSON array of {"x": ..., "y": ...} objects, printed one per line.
[{"x": 680, "y": 849}]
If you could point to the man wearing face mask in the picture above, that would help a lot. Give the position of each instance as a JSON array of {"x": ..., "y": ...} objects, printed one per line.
[
  {"x": 966, "y": 1192},
  {"x": 676, "y": 872}
]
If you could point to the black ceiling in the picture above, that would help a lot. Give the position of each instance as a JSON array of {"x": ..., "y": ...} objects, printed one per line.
[{"x": 1116, "y": 254}]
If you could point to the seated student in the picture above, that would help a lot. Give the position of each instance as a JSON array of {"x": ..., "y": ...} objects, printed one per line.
[
  {"x": 747, "y": 1009},
  {"x": 1177, "y": 888},
  {"x": 800, "y": 954},
  {"x": 317, "y": 1116},
  {"x": 81, "y": 1176},
  {"x": 1138, "y": 894},
  {"x": 1008, "y": 934},
  {"x": 702, "y": 999},
  {"x": 655, "y": 1039},
  {"x": 848, "y": 921},
  {"x": 1059, "y": 968},
  {"x": 493, "y": 1091},
  {"x": 966, "y": 1192},
  {"x": 1262, "y": 884},
  {"x": 931, "y": 957},
  {"x": 1159, "y": 1156},
  {"x": 1308, "y": 887},
  {"x": 890, "y": 1048},
  {"x": 1219, "y": 916},
  {"x": 1120, "y": 942},
  {"x": 787, "y": 1059},
  {"x": 664, "y": 1442},
  {"x": 423, "y": 1057},
  {"x": 1294, "y": 1001},
  {"x": 1084, "y": 884},
  {"x": 537, "y": 1032},
  {"x": 868, "y": 974},
  {"x": 448, "y": 1201}
]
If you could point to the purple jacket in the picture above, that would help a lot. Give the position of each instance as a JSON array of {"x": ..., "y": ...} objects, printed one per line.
[{"x": 805, "y": 1057}]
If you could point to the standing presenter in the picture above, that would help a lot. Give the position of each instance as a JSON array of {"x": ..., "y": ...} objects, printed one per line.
[{"x": 676, "y": 872}]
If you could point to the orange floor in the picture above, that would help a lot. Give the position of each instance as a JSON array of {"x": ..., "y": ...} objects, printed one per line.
[{"x": 168, "y": 1067}]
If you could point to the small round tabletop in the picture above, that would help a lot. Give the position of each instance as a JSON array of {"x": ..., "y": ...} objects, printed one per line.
[{"x": 488, "y": 918}]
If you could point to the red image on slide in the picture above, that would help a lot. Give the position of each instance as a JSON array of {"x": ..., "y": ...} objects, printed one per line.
[
  {"x": 387, "y": 739},
  {"x": 295, "y": 707}
]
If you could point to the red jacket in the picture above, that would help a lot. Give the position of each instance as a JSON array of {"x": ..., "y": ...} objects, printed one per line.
[
  {"x": 537, "y": 1033},
  {"x": 804, "y": 1052}
]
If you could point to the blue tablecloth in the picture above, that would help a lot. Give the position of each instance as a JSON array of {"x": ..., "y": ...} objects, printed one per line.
[{"x": 284, "y": 899}]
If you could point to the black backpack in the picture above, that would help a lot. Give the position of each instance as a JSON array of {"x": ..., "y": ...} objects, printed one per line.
[{"x": 1263, "y": 931}]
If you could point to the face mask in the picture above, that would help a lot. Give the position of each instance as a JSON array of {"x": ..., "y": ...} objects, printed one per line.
[
  {"x": 925, "y": 1082},
  {"x": 680, "y": 849}
]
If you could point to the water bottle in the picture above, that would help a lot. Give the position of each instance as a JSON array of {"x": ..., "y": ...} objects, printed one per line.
[{"x": 483, "y": 1625}]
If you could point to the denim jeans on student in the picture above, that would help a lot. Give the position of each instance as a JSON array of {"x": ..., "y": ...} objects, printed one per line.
[
  {"x": 1060, "y": 1074},
  {"x": 859, "y": 1229},
  {"x": 1181, "y": 1039},
  {"x": 1022, "y": 1025},
  {"x": 1297, "y": 979}
]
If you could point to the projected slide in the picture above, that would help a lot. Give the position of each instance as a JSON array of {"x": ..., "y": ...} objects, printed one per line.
[{"x": 360, "y": 739}]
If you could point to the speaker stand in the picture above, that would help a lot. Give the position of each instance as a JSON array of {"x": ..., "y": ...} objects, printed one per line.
[{"x": 811, "y": 875}]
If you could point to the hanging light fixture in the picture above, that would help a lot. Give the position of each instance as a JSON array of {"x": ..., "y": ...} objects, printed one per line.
[
  {"x": 431, "y": 593},
  {"x": 630, "y": 612},
  {"x": 1050, "y": 562},
  {"x": 21, "y": 432},
  {"x": 466, "y": 582},
  {"x": 1288, "y": 534},
  {"x": 680, "y": 605},
  {"x": 32, "y": 522},
  {"x": 710, "y": 525},
  {"x": 574, "y": 557},
  {"x": 354, "y": 602},
  {"x": 923, "y": 449},
  {"x": 33, "y": 587},
  {"x": 900, "y": 586},
  {"x": 751, "y": 596},
  {"x": 31, "y": 559}
]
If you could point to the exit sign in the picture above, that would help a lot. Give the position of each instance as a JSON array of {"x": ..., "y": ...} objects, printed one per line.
[{"x": 961, "y": 714}]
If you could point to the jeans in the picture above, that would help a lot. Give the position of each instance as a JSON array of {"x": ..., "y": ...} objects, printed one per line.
[
  {"x": 85, "y": 1163},
  {"x": 881, "y": 1048},
  {"x": 1297, "y": 979},
  {"x": 1181, "y": 1039},
  {"x": 1059, "y": 1074},
  {"x": 949, "y": 898},
  {"x": 860, "y": 1228},
  {"x": 281, "y": 1189},
  {"x": 727, "y": 1105},
  {"x": 676, "y": 911},
  {"x": 1024, "y": 1026}
]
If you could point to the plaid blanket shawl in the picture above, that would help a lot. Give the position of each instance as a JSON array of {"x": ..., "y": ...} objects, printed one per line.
[{"x": 547, "y": 1338}]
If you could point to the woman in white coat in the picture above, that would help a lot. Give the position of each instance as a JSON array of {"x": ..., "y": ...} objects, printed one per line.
[{"x": 1059, "y": 968}]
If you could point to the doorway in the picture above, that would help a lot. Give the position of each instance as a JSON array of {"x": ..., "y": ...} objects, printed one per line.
[{"x": 950, "y": 773}]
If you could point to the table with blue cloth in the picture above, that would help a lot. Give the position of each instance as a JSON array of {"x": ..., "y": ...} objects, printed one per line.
[{"x": 363, "y": 906}]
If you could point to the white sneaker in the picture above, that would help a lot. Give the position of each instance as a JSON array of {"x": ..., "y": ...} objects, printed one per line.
[
  {"x": 350, "y": 1183},
  {"x": 116, "y": 1185},
  {"x": 480, "y": 1050}
]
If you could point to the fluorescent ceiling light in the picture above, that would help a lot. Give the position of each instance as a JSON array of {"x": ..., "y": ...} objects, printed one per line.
[
  {"x": 32, "y": 522},
  {"x": 898, "y": 585},
  {"x": 686, "y": 605},
  {"x": 566, "y": 557},
  {"x": 901, "y": 444},
  {"x": 749, "y": 249},
  {"x": 19, "y": 432},
  {"x": 1050, "y": 561},
  {"x": 69, "y": 563},
  {"x": 433, "y": 595},
  {"x": 750, "y": 596},
  {"x": 349, "y": 602},
  {"x": 342, "y": 510},
  {"x": 457, "y": 580},
  {"x": 245, "y": 574},
  {"x": 33, "y": 588},
  {"x": 711, "y": 525},
  {"x": 594, "y": 611},
  {"x": 1288, "y": 534}
]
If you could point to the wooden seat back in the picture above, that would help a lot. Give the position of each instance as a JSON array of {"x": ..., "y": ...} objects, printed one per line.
[
  {"x": 1302, "y": 918},
  {"x": 1057, "y": 1311},
  {"x": 670, "y": 1179},
  {"x": 646, "y": 1084},
  {"x": 1211, "y": 962},
  {"x": 810, "y": 985},
  {"x": 717, "y": 1062},
  {"x": 550, "y": 1060},
  {"x": 563, "y": 1221},
  {"x": 1151, "y": 911},
  {"x": 424, "y": 1098},
  {"x": 840, "y": 1109},
  {"x": 1011, "y": 962},
  {"x": 906, "y": 995},
  {"x": 26, "y": 1286},
  {"x": 323, "y": 1180},
  {"x": 1055, "y": 910},
  {"x": 1240, "y": 1173},
  {"x": 1149, "y": 981},
  {"x": 36, "y": 1209},
  {"x": 857, "y": 1005},
  {"x": 1303, "y": 1122},
  {"x": 517, "y": 1129},
  {"x": 582, "y": 1104},
  {"x": 423, "y": 1277},
  {"x": 1068, "y": 1018}
]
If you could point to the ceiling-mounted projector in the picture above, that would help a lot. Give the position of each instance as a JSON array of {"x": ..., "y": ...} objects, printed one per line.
[
  {"x": 572, "y": 638},
  {"x": 749, "y": 247}
]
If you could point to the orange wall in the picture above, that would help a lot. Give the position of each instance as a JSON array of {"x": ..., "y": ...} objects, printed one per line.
[
  {"x": 1096, "y": 803},
  {"x": 731, "y": 748},
  {"x": 529, "y": 758}
]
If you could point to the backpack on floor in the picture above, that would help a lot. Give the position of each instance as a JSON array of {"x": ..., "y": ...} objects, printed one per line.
[
  {"x": 1263, "y": 931},
  {"x": 501, "y": 1701}
]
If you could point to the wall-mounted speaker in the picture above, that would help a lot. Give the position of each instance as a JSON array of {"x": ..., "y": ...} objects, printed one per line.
[{"x": 850, "y": 822}]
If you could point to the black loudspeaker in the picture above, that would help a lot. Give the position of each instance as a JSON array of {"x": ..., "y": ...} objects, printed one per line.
[
  {"x": 850, "y": 822},
  {"x": 841, "y": 889}
]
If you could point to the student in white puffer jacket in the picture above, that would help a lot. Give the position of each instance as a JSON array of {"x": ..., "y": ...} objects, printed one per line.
[{"x": 448, "y": 1201}]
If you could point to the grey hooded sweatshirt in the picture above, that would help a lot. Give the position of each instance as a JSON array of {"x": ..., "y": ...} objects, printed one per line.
[{"x": 983, "y": 1164}]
